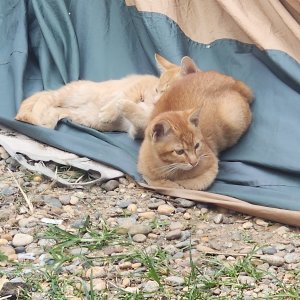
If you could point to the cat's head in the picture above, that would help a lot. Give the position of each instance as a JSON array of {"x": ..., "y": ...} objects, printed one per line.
[
  {"x": 176, "y": 139},
  {"x": 171, "y": 72}
]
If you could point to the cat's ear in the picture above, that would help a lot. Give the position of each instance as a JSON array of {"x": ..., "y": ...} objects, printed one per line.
[
  {"x": 160, "y": 130},
  {"x": 194, "y": 117},
  {"x": 162, "y": 63},
  {"x": 188, "y": 66}
]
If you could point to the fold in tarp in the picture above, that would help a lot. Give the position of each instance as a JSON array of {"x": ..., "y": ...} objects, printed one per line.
[{"x": 45, "y": 44}]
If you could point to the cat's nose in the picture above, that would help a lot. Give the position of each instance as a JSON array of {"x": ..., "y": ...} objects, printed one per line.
[{"x": 194, "y": 162}]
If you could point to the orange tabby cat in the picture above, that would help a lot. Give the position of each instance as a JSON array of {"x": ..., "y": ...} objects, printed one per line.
[
  {"x": 114, "y": 105},
  {"x": 201, "y": 114}
]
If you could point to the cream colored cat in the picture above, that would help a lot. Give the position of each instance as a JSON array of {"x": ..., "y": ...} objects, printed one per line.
[
  {"x": 114, "y": 105},
  {"x": 200, "y": 115}
]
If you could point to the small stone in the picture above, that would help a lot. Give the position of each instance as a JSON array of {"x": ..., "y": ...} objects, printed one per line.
[
  {"x": 261, "y": 222},
  {"x": 136, "y": 265},
  {"x": 132, "y": 289},
  {"x": 110, "y": 185},
  {"x": 79, "y": 251},
  {"x": 132, "y": 208},
  {"x": 282, "y": 230},
  {"x": 98, "y": 284},
  {"x": 218, "y": 218},
  {"x": 165, "y": 209},
  {"x": 151, "y": 286},
  {"x": 20, "y": 249},
  {"x": 248, "y": 280},
  {"x": 247, "y": 225},
  {"x": 52, "y": 201},
  {"x": 205, "y": 249},
  {"x": 187, "y": 216},
  {"x": 273, "y": 260},
  {"x": 124, "y": 203},
  {"x": 174, "y": 280},
  {"x": 3, "y": 242},
  {"x": 184, "y": 202},
  {"x": 96, "y": 272},
  {"x": 269, "y": 250},
  {"x": 139, "y": 229},
  {"x": 74, "y": 200},
  {"x": 139, "y": 238},
  {"x": 155, "y": 203},
  {"x": 125, "y": 265},
  {"x": 174, "y": 234},
  {"x": 22, "y": 239},
  {"x": 7, "y": 250},
  {"x": 64, "y": 199},
  {"x": 176, "y": 225},
  {"x": 150, "y": 215},
  {"x": 125, "y": 282},
  {"x": 292, "y": 258}
]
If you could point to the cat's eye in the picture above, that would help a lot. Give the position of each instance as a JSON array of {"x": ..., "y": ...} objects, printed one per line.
[
  {"x": 179, "y": 152},
  {"x": 197, "y": 146},
  {"x": 156, "y": 90},
  {"x": 142, "y": 98}
]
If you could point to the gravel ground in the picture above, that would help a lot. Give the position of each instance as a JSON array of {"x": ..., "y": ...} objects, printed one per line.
[{"x": 118, "y": 241}]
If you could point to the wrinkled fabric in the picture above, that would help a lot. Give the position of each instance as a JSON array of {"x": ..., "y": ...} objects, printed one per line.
[{"x": 45, "y": 44}]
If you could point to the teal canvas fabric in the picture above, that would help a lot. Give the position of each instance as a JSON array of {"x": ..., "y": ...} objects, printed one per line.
[{"x": 45, "y": 44}]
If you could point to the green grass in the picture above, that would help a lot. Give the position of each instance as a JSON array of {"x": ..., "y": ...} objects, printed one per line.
[{"x": 206, "y": 272}]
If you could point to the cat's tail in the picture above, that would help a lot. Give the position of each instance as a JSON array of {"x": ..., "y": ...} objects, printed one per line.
[
  {"x": 244, "y": 90},
  {"x": 40, "y": 109}
]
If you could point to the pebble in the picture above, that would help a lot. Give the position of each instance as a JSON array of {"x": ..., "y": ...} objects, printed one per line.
[
  {"x": 64, "y": 199},
  {"x": 3, "y": 242},
  {"x": 269, "y": 250},
  {"x": 187, "y": 216},
  {"x": 21, "y": 239},
  {"x": 155, "y": 203},
  {"x": 165, "y": 209},
  {"x": 52, "y": 201},
  {"x": 248, "y": 280},
  {"x": 132, "y": 208},
  {"x": 139, "y": 229},
  {"x": 79, "y": 251},
  {"x": 139, "y": 238},
  {"x": 74, "y": 200},
  {"x": 184, "y": 202},
  {"x": 218, "y": 218},
  {"x": 98, "y": 284},
  {"x": 247, "y": 225},
  {"x": 96, "y": 272},
  {"x": 261, "y": 222},
  {"x": 110, "y": 185},
  {"x": 174, "y": 280},
  {"x": 282, "y": 230},
  {"x": 273, "y": 260},
  {"x": 150, "y": 215},
  {"x": 124, "y": 203},
  {"x": 7, "y": 250},
  {"x": 292, "y": 258},
  {"x": 174, "y": 234},
  {"x": 150, "y": 286}
]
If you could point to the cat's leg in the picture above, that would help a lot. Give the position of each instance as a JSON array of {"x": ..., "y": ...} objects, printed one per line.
[
  {"x": 39, "y": 110},
  {"x": 138, "y": 116},
  {"x": 201, "y": 182},
  {"x": 109, "y": 113}
]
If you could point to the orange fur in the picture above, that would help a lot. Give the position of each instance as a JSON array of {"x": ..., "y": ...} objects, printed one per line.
[
  {"x": 200, "y": 115},
  {"x": 114, "y": 105}
]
